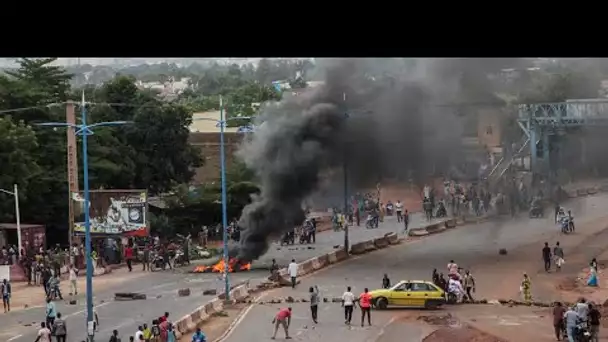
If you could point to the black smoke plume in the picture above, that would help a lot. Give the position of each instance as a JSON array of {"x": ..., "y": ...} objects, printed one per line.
[{"x": 395, "y": 129}]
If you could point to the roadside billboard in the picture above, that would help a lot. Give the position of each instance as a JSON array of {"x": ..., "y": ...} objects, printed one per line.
[{"x": 113, "y": 212}]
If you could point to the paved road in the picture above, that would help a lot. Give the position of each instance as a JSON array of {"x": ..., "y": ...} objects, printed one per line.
[
  {"x": 328, "y": 239},
  {"x": 470, "y": 246},
  {"x": 126, "y": 316}
]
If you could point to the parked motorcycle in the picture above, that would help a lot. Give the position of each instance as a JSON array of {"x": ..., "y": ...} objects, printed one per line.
[
  {"x": 441, "y": 211},
  {"x": 371, "y": 222},
  {"x": 157, "y": 263},
  {"x": 180, "y": 258},
  {"x": 288, "y": 239}
]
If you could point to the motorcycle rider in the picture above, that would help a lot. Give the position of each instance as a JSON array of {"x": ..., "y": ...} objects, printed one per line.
[
  {"x": 54, "y": 290},
  {"x": 455, "y": 287},
  {"x": 571, "y": 220}
]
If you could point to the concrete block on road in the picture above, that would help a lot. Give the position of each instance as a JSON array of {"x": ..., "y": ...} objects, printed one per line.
[
  {"x": 369, "y": 246},
  {"x": 392, "y": 238},
  {"x": 183, "y": 292},
  {"x": 592, "y": 191},
  {"x": 581, "y": 192},
  {"x": 358, "y": 248},
  {"x": 435, "y": 228},
  {"x": 211, "y": 292},
  {"x": 604, "y": 188},
  {"x": 381, "y": 242},
  {"x": 129, "y": 296},
  {"x": 451, "y": 223},
  {"x": 418, "y": 232}
]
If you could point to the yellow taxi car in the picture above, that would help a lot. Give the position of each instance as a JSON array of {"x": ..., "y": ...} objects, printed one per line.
[{"x": 411, "y": 294}]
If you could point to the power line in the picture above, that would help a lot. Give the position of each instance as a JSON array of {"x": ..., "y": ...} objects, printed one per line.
[{"x": 50, "y": 105}]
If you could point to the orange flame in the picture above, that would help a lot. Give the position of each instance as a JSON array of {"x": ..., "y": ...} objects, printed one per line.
[{"x": 219, "y": 267}]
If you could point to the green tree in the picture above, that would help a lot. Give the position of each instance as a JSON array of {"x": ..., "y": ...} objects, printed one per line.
[
  {"x": 152, "y": 153},
  {"x": 35, "y": 83},
  {"x": 17, "y": 150}
]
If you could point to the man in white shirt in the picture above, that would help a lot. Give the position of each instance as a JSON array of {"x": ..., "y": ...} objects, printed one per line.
[
  {"x": 292, "y": 269},
  {"x": 399, "y": 210},
  {"x": 139, "y": 334},
  {"x": 44, "y": 334},
  {"x": 348, "y": 301},
  {"x": 73, "y": 277}
]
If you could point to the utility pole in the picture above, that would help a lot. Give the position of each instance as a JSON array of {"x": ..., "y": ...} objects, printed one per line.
[
  {"x": 344, "y": 175},
  {"x": 70, "y": 119}
]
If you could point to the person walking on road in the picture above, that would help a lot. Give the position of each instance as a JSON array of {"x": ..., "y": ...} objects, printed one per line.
[
  {"x": 526, "y": 288},
  {"x": 406, "y": 221},
  {"x": 51, "y": 312},
  {"x": 60, "y": 329},
  {"x": 365, "y": 303},
  {"x": 283, "y": 318},
  {"x": 558, "y": 255},
  {"x": 547, "y": 257},
  {"x": 314, "y": 302},
  {"x": 114, "y": 337},
  {"x": 399, "y": 210},
  {"x": 469, "y": 285},
  {"x": 558, "y": 320},
  {"x": 199, "y": 336},
  {"x": 386, "y": 282},
  {"x": 571, "y": 321},
  {"x": 594, "y": 322},
  {"x": 348, "y": 302},
  {"x": 73, "y": 278},
  {"x": 146, "y": 258},
  {"x": 292, "y": 269},
  {"x": 5, "y": 288},
  {"x": 129, "y": 256},
  {"x": 582, "y": 308},
  {"x": 44, "y": 334}
]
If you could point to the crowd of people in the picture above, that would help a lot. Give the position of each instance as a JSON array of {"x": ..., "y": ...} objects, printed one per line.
[
  {"x": 576, "y": 319},
  {"x": 349, "y": 302},
  {"x": 459, "y": 283},
  {"x": 160, "y": 329}
]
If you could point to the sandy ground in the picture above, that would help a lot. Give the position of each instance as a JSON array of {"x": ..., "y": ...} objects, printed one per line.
[{"x": 214, "y": 328}]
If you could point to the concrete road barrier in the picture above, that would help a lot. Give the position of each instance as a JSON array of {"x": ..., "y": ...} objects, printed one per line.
[
  {"x": 341, "y": 255},
  {"x": 381, "y": 242},
  {"x": 369, "y": 246},
  {"x": 435, "y": 228},
  {"x": 392, "y": 238},
  {"x": 357, "y": 248},
  {"x": 418, "y": 232},
  {"x": 451, "y": 223}
]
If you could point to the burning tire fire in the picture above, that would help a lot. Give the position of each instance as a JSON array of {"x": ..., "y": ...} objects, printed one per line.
[{"x": 234, "y": 265}]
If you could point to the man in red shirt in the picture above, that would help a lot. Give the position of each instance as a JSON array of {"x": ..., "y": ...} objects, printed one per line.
[
  {"x": 365, "y": 302},
  {"x": 282, "y": 318},
  {"x": 129, "y": 257}
]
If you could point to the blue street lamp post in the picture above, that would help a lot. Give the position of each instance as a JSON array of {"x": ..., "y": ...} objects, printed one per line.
[
  {"x": 85, "y": 130},
  {"x": 222, "y": 124}
]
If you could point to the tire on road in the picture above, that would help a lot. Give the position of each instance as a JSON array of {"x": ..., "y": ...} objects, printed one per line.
[{"x": 381, "y": 303}]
